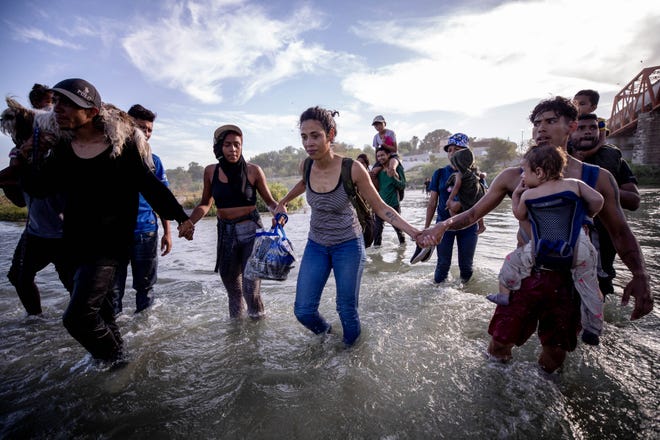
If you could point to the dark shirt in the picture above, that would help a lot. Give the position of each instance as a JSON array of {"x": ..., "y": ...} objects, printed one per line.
[
  {"x": 101, "y": 199},
  {"x": 610, "y": 158},
  {"x": 226, "y": 195}
]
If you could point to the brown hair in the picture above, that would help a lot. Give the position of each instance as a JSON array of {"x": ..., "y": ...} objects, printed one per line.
[{"x": 551, "y": 160}]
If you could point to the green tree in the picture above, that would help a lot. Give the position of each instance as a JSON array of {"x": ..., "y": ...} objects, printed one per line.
[
  {"x": 278, "y": 191},
  {"x": 500, "y": 153},
  {"x": 434, "y": 141},
  {"x": 196, "y": 171},
  {"x": 405, "y": 147},
  {"x": 415, "y": 143}
]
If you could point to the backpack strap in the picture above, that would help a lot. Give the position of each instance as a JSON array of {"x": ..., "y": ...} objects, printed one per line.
[
  {"x": 307, "y": 168},
  {"x": 590, "y": 174},
  {"x": 346, "y": 177}
]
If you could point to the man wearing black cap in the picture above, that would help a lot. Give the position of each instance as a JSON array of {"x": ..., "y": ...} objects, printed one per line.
[{"x": 100, "y": 169}]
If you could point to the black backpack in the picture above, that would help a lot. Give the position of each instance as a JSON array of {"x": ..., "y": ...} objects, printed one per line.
[{"x": 362, "y": 208}]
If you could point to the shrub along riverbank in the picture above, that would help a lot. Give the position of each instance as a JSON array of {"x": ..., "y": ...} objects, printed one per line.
[
  {"x": 648, "y": 176},
  {"x": 12, "y": 213}
]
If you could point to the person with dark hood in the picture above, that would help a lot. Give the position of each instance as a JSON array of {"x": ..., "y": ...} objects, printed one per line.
[{"x": 233, "y": 184}]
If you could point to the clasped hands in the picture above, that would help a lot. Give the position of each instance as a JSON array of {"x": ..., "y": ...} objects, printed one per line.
[
  {"x": 186, "y": 229},
  {"x": 430, "y": 236}
]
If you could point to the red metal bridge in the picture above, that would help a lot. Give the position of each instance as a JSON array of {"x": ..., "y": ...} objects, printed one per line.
[{"x": 641, "y": 95}]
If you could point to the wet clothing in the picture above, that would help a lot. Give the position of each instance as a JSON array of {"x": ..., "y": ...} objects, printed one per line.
[
  {"x": 466, "y": 239},
  {"x": 236, "y": 238},
  {"x": 610, "y": 158},
  {"x": 144, "y": 253},
  {"x": 518, "y": 265},
  {"x": 238, "y": 191},
  {"x": 101, "y": 196},
  {"x": 32, "y": 254},
  {"x": 40, "y": 244},
  {"x": 335, "y": 244},
  {"x": 346, "y": 260},
  {"x": 235, "y": 242},
  {"x": 547, "y": 299}
]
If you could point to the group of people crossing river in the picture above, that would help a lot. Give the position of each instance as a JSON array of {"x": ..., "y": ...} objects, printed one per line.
[{"x": 88, "y": 174}]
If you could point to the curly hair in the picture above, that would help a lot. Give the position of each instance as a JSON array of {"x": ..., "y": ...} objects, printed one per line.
[
  {"x": 559, "y": 105},
  {"x": 324, "y": 116}
]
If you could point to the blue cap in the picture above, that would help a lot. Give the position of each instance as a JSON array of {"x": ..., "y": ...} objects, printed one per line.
[{"x": 459, "y": 139}]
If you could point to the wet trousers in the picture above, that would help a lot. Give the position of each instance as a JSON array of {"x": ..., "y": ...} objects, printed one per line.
[
  {"x": 33, "y": 254},
  {"x": 346, "y": 260},
  {"x": 90, "y": 318},
  {"x": 144, "y": 264},
  {"x": 235, "y": 242},
  {"x": 466, "y": 243}
]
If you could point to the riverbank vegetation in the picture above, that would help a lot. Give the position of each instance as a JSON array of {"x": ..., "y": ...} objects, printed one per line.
[{"x": 282, "y": 169}]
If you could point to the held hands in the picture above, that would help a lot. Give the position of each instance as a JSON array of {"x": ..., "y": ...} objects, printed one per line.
[
  {"x": 431, "y": 236},
  {"x": 186, "y": 229}
]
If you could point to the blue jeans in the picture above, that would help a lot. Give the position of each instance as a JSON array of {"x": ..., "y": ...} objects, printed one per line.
[
  {"x": 144, "y": 263},
  {"x": 347, "y": 261},
  {"x": 466, "y": 241}
]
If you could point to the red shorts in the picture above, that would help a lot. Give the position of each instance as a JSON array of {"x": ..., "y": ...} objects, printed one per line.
[{"x": 545, "y": 298}]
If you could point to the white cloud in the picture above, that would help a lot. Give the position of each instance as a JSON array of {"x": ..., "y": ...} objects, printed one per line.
[
  {"x": 210, "y": 50},
  {"x": 473, "y": 62},
  {"x": 26, "y": 34}
]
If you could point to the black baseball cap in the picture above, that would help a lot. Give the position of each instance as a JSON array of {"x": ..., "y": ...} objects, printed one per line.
[{"x": 81, "y": 92}]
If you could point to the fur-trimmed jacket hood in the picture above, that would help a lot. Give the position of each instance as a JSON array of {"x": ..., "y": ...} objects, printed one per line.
[{"x": 21, "y": 123}]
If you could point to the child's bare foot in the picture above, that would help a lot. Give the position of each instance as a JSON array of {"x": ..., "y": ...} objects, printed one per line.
[{"x": 481, "y": 228}]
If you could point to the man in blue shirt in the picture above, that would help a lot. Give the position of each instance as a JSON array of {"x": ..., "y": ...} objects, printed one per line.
[{"x": 144, "y": 253}]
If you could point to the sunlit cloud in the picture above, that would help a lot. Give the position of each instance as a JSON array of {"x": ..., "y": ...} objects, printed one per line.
[
  {"x": 226, "y": 49},
  {"x": 473, "y": 62}
]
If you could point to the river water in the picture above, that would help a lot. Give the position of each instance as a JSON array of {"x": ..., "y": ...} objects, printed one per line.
[{"x": 418, "y": 371}]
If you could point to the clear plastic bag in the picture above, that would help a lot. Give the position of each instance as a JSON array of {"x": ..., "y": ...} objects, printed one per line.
[{"x": 272, "y": 255}]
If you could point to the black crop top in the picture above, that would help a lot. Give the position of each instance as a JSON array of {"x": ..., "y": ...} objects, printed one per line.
[{"x": 226, "y": 196}]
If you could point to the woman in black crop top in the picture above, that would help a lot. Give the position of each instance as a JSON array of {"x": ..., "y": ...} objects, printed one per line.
[{"x": 233, "y": 183}]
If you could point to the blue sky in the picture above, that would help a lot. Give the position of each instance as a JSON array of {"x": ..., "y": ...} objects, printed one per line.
[{"x": 472, "y": 66}]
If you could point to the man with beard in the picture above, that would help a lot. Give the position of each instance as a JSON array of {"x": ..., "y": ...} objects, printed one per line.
[
  {"x": 545, "y": 299},
  {"x": 586, "y": 147}
]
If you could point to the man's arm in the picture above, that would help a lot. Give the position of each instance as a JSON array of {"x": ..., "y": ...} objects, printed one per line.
[
  {"x": 626, "y": 246},
  {"x": 503, "y": 184},
  {"x": 430, "y": 208},
  {"x": 629, "y": 196},
  {"x": 166, "y": 240}
]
